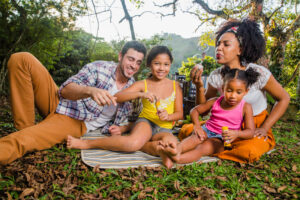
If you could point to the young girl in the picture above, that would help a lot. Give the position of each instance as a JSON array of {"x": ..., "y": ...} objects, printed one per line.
[
  {"x": 228, "y": 110},
  {"x": 162, "y": 105}
]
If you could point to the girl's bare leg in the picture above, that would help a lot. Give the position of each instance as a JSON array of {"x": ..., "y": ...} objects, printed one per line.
[
  {"x": 187, "y": 144},
  {"x": 140, "y": 134},
  {"x": 170, "y": 144},
  {"x": 207, "y": 148},
  {"x": 153, "y": 147}
]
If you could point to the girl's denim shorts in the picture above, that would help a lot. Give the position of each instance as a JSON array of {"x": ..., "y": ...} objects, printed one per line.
[
  {"x": 155, "y": 128},
  {"x": 211, "y": 134}
]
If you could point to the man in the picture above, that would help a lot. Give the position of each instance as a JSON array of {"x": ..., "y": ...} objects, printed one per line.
[{"x": 83, "y": 103}]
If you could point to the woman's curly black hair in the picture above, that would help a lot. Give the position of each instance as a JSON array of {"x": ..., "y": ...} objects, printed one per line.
[
  {"x": 252, "y": 41},
  {"x": 249, "y": 76}
]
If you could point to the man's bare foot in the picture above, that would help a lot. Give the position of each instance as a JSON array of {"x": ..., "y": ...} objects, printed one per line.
[{"x": 75, "y": 143}]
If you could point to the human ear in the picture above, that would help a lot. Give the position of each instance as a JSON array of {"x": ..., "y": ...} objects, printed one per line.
[
  {"x": 240, "y": 51},
  {"x": 120, "y": 57},
  {"x": 246, "y": 91}
]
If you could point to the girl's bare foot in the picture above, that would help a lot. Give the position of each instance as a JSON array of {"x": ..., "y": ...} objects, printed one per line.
[
  {"x": 167, "y": 162},
  {"x": 75, "y": 143},
  {"x": 171, "y": 149}
]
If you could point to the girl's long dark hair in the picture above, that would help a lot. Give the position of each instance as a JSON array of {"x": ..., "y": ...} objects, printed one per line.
[{"x": 156, "y": 50}]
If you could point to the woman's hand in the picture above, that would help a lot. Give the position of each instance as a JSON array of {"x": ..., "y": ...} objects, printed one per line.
[
  {"x": 200, "y": 133},
  {"x": 196, "y": 74},
  {"x": 163, "y": 115},
  {"x": 230, "y": 135},
  {"x": 261, "y": 133}
]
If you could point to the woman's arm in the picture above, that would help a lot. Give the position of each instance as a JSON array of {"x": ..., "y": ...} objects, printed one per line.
[
  {"x": 201, "y": 95},
  {"x": 178, "y": 111},
  {"x": 282, "y": 97}
]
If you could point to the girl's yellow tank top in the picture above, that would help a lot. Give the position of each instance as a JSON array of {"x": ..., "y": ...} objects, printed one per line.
[{"x": 150, "y": 112}]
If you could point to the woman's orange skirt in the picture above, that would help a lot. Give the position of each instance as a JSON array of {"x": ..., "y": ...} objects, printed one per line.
[{"x": 243, "y": 151}]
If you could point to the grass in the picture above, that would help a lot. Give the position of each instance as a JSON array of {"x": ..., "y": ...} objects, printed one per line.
[{"x": 58, "y": 173}]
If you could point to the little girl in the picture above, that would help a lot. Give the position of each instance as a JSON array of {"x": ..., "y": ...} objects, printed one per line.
[
  {"x": 162, "y": 105},
  {"x": 228, "y": 110}
]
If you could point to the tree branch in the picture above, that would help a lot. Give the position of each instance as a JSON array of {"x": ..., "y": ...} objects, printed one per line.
[
  {"x": 97, "y": 26},
  {"x": 294, "y": 26},
  {"x": 173, "y": 4},
  {"x": 295, "y": 73},
  {"x": 129, "y": 19},
  {"x": 220, "y": 13}
]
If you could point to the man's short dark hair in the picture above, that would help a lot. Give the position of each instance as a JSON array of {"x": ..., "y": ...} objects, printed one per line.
[{"x": 134, "y": 45}]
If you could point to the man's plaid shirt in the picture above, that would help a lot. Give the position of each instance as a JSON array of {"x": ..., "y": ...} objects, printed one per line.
[{"x": 99, "y": 74}]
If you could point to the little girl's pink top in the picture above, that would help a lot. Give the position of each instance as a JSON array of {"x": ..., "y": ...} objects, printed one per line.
[{"x": 233, "y": 118}]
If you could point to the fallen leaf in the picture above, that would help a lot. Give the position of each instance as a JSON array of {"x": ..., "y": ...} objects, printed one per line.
[
  {"x": 148, "y": 189},
  {"x": 222, "y": 178},
  {"x": 177, "y": 185},
  {"x": 269, "y": 189},
  {"x": 281, "y": 188},
  {"x": 96, "y": 169},
  {"x": 283, "y": 169},
  {"x": 294, "y": 168},
  {"x": 8, "y": 196},
  {"x": 26, "y": 192}
]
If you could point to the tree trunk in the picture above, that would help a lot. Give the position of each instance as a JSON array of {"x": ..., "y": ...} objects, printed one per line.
[{"x": 129, "y": 19}]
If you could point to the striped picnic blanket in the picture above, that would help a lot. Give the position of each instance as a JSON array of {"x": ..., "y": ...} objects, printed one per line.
[{"x": 116, "y": 160}]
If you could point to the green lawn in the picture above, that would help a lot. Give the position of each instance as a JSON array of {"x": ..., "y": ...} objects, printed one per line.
[{"x": 58, "y": 173}]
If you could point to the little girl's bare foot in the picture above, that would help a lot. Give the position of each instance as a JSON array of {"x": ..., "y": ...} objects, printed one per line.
[
  {"x": 75, "y": 143},
  {"x": 167, "y": 162}
]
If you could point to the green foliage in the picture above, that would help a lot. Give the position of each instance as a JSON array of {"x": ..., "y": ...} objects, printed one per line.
[
  {"x": 292, "y": 54},
  {"x": 209, "y": 64},
  {"x": 74, "y": 53},
  {"x": 39, "y": 27}
]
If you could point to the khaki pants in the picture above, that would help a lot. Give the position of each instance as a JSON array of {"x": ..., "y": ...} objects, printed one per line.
[{"x": 32, "y": 86}]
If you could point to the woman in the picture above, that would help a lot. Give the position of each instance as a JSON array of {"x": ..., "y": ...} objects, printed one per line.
[{"x": 239, "y": 44}]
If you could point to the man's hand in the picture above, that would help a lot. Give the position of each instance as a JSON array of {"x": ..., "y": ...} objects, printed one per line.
[
  {"x": 261, "y": 133},
  {"x": 200, "y": 133},
  {"x": 115, "y": 130},
  {"x": 163, "y": 115},
  {"x": 196, "y": 74},
  {"x": 102, "y": 97}
]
